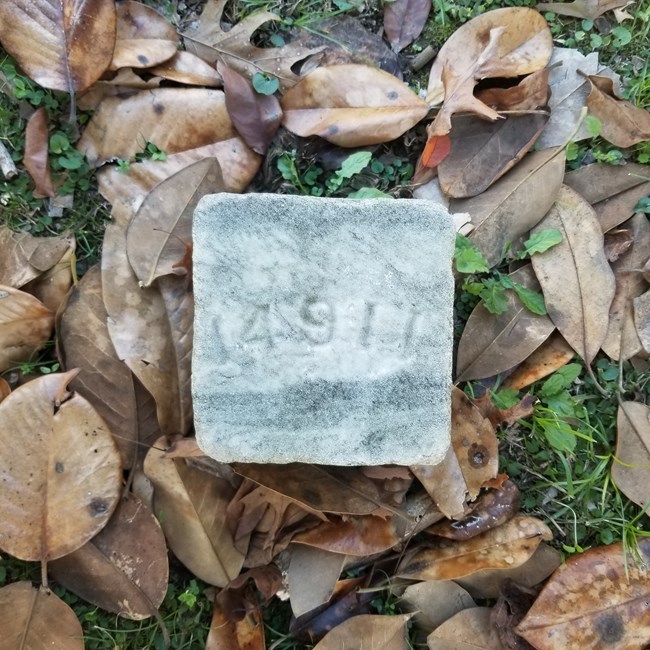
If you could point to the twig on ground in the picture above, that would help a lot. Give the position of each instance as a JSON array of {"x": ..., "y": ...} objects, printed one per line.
[{"x": 7, "y": 165}]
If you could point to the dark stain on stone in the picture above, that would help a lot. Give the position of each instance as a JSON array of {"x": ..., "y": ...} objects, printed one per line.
[{"x": 478, "y": 455}]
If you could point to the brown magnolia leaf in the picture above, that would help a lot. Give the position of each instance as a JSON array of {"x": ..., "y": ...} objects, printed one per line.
[
  {"x": 515, "y": 203},
  {"x": 157, "y": 235},
  {"x": 52, "y": 287},
  {"x": 5, "y": 389},
  {"x": 256, "y": 117},
  {"x": 352, "y": 106},
  {"x": 522, "y": 409},
  {"x": 622, "y": 341},
  {"x": 35, "y": 157},
  {"x": 434, "y": 601},
  {"x": 124, "y": 83},
  {"x": 554, "y": 353},
  {"x": 577, "y": 281},
  {"x": 124, "y": 568},
  {"x": 61, "y": 44},
  {"x": 191, "y": 505},
  {"x": 404, "y": 21},
  {"x": 506, "y": 42},
  {"x": 482, "y": 152},
  {"x": 25, "y": 326},
  {"x": 469, "y": 629},
  {"x": 597, "y": 599},
  {"x": 642, "y": 319},
  {"x": 531, "y": 93},
  {"x": 233, "y": 46},
  {"x": 631, "y": 466},
  {"x": 493, "y": 343},
  {"x": 37, "y": 618},
  {"x": 143, "y": 39},
  {"x": 471, "y": 460},
  {"x": 508, "y": 545},
  {"x": 237, "y": 597},
  {"x": 368, "y": 632},
  {"x": 64, "y": 479},
  {"x": 245, "y": 634},
  {"x": 617, "y": 242},
  {"x": 189, "y": 69},
  {"x": 582, "y": 8},
  {"x": 174, "y": 119}
]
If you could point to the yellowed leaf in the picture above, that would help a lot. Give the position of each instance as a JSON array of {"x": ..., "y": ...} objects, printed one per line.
[
  {"x": 470, "y": 629},
  {"x": 368, "y": 632},
  {"x": 187, "y": 68}
]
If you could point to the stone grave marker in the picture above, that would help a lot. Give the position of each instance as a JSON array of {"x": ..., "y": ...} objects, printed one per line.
[{"x": 323, "y": 329}]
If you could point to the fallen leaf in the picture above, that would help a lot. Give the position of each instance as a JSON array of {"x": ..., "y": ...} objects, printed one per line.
[
  {"x": 493, "y": 343},
  {"x": 25, "y": 326},
  {"x": 52, "y": 287},
  {"x": 617, "y": 242},
  {"x": 512, "y": 605},
  {"x": 187, "y": 68},
  {"x": 124, "y": 568},
  {"x": 61, "y": 44},
  {"x": 37, "y": 618},
  {"x": 65, "y": 479},
  {"x": 5, "y": 389},
  {"x": 507, "y": 42},
  {"x": 582, "y": 8},
  {"x": 191, "y": 506},
  {"x": 520, "y": 410},
  {"x": 256, "y": 117},
  {"x": 434, "y": 601},
  {"x": 35, "y": 156},
  {"x": 368, "y": 632},
  {"x": 621, "y": 122},
  {"x": 514, "y": 204},
  {"x": 642, "y": 319},
  {"x": 631, "y": 466},
  {"x": 237, "y": 597},
  {"x": 508, "y": 545},
  {"x": 124, "y": 83},
  {"x": 531, "y": 93},
  {"x": 404, "y": 21},
  {"x": 233, "y": 47},
  {"x": 469, "y": 629},
  {"x": 576, "y": 279},
  {"x": 597, "y": 599},
  {"x": 246, "y": 634},
  {"x": 352, "y": 106}
]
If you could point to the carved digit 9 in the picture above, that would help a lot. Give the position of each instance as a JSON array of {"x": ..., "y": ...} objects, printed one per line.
[{"x": 317, "y": 320}]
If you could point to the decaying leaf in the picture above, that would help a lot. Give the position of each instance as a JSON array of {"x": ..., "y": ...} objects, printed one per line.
[
  {"x": 124, "y": 568},
  {"x": 187, "y": 68},
  {"x": 631, "y": 466},
  {"x": 642, "y": 319},
  {"x": 35, "y": 157},
  {"x": 125, "y": 83},
  {"x": 238, "y": 597},
  {"x": 62, "y": 486},
  {"x": 597, "y": 599},
  {"x": 530, "y": 93},
  {"x": 244, "y": 634},
  {"x": 61, "y": 44},
  {"x": 617, "y": 242},
  {"x": 351, "y": 105},
  {"x": 576, "y": 279},
  {"x": 37, "y": 618},
  {"x": 469, "y": 629},
  {"x": 582, "y": 8},
  {"x": 434, "y": 601},
  {"x": 368, "y": 632},
  {"x": 404, "y": 21},
  {"x": 509, "y": 545},
  {"x": 25, "y": 326},
  {"x": 501, "y": 43}
]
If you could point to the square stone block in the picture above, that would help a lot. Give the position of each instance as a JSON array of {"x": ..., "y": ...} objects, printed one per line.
[{"x": 323, "y": 329}]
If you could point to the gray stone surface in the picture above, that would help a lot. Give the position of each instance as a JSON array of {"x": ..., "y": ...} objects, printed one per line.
[{"x": 323, "y": 329}]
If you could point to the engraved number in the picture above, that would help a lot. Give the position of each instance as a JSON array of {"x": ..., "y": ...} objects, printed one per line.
[{"x": 317, "y": 320}]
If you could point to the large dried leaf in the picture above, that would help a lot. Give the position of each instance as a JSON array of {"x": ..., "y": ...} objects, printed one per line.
[
  {"x": 531, "y": 93},
  {"x": 52, "y": 287},
  {"x": 352, "y": 106},
  {"x": 434, "y": 601},
  {"x": 25, "y": 326},
  {"x": 501, "y": 43},
  {"x": 509, "y": 545},
  {"x": 174, "y": 119},
  {"x": 469, "y": 629},
  {"x": 36, "y": 619},
  {"x": 161, "y": 229},
  {"x": 61, "y": 44},
  {"x": 598, "y": 599},
  {"x": 124, "y": 84},
  {"x": 187, "y": 68},
  {"x": 124, "y": 568},
  {"x": 492, "y": 344},
  {"x": 63, "y": 480},
  {"x": 576, "y": 279},
  {"x": 234, "y": 48},
  {"x": 582, "y": 8},
  {"x": 515, "y": 203},
  {"x": 482, "y": 152},
  {"x": 368, "y": 632},
  {"x": 191, "y": 505},
  {"x": 404, "y": 21},
  {"x": 621, "y": 122},
  {"x": 631, "y": 467},
  {"x": 35, "y": 156}
]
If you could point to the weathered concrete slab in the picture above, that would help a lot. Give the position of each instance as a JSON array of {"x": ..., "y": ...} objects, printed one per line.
[{"x": 323, "y": 329}]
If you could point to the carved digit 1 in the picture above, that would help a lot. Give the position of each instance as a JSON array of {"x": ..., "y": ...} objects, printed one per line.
[
  {"x": 409, "y": 330},
  {"x": 317, "y": 320},
  {"x": 366, "y": 325}
]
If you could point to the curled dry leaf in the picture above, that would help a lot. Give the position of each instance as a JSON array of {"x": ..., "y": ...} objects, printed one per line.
[
  {"x": 597, "y": 599},
  {"x": 144, "y": 38},
  {"x": 522, "y": 409},
  {"x": 582, "y": 8},
  {"x": 187, "y": 68},
  {"x": 469, "y": 629},
  {"x": 124, "y": 568},
  {"x": 576, "y": 279},
  {"x": 53, "y": 286},
  {"x": 506, "y": 546},
  {"x": 530, "y": 93},
  {"x": 506, "y": 42},
  {"x": 25, "y": 326},
  {"x": 125, "y": 83},
  {"x": 631, "y": 466},
  {"x": 64, "y": 480},
  {"x": 352, "y": 106},
  {"x": 434, "y": 601},
  {"x": 246, "y": 634},
  {"x": 61, "y": 44},
  {"x": 192, "y": 507},
  {"x": 37, "y": 618},
  {"x": 368, "y": 632},
  {"x": 404, "y": 21},
  {"x": 35, "y": 157}
]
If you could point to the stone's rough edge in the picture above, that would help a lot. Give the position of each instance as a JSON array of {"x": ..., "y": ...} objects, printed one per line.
[{"x": 422, "y": 208}]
